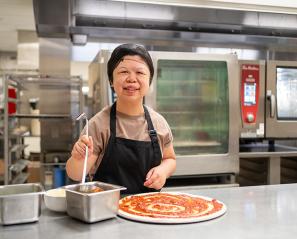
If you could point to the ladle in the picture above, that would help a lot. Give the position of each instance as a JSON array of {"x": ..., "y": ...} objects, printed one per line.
[{"x": 84, "y": 188}]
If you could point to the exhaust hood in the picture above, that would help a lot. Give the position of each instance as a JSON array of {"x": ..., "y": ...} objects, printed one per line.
[{"x": 118, "y": 21}]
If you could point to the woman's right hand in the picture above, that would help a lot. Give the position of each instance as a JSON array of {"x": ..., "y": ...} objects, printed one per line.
[{"x": 79, "y": 149}]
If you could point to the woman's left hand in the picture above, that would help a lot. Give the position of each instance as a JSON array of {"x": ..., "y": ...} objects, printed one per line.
[{"x": 155, "y": 178}]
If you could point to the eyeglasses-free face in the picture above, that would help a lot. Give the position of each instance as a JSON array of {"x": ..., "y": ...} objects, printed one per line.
[{"x": 131, "y": 78}]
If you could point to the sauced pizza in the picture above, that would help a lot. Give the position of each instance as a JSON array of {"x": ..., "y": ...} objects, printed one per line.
[{"x": 172, "y": 206}]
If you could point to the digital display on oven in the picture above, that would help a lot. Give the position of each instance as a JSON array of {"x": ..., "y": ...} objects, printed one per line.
[{"x": 249, "y": 93}]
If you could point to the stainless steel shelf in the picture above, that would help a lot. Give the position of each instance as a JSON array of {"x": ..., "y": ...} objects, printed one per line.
[{"x": 21, "y": 79}]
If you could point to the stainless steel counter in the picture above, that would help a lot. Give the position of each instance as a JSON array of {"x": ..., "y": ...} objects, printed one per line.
[{"x": 252, "y": 212}]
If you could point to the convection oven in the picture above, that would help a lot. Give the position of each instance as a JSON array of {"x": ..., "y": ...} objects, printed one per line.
[
  {"x": 268, "y": 99},
  {"x": 197, "y": 94}
]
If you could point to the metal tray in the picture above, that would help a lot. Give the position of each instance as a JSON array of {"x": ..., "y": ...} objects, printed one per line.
[
  {"x": 20, "y": 203},
  {"x": 93, "y": 207}
]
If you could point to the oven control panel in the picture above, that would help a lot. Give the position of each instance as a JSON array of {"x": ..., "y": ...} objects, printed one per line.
[{"x": 250, "y": 90}]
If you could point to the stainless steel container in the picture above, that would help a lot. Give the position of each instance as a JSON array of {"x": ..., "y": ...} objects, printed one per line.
[
  {"x": 20, "y": 203},
  {"x": 93, "y": 207}
]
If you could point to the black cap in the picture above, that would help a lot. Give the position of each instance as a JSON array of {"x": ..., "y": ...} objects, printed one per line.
[{"x": 131, "y": 50}]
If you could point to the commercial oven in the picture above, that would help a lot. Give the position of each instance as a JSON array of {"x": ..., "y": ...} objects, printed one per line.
[
  {"x": 197, "y": 94},
  {"x": 281, "y": 104},
  {"x": 268, "y": 93}
]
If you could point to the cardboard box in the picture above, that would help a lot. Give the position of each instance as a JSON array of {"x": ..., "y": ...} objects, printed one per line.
[
  {"x": 1, "y": 167},
  {"x": 34, "y": 172}
]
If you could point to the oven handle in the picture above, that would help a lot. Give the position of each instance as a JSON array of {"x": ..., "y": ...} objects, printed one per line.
[{"x": 271, "y": 98}]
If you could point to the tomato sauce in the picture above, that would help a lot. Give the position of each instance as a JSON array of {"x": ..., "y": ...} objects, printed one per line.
[{"x": 165, "y": 205}]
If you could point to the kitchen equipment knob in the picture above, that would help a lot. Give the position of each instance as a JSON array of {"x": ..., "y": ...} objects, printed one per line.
[{"x": 250, "y": 118}]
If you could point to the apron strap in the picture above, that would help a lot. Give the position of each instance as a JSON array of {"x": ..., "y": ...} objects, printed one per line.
[
  {"x": 152, "y": 134},
  {"x": 112, "y": 122}
]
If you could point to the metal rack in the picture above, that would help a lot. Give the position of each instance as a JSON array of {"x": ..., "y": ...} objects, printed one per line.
[
  {"x": 15, "y": 164},
  {"x": 13, "y": 147}
]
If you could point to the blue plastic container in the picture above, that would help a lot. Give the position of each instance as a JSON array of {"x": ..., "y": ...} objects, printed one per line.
[{"x": 59, "y": 177}]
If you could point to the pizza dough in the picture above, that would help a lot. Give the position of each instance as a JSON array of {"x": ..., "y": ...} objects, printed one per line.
[{"x": 170, "y": 208}]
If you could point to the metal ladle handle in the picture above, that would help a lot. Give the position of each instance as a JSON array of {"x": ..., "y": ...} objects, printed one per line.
[
  {"x": 87, "y": 153},
  {"x": 83, "y": 115}
]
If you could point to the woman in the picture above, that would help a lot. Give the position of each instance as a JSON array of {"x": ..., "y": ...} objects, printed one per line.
[{"x": 129, "y": 143}]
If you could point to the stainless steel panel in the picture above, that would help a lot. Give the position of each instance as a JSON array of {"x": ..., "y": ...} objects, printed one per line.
[
  {"x": 57, "y": 135},
  {"x": 52, "y": 14},
  {"x": 55, "y": 98},
  {"x": 275, "y": 127},
  {"x": 165, "y": 38},
  {"x": 98, "y": 81},
  {"x": 20, "y": 203},
  {"x": 93, "y": 207},
  {"x": 27, "y": 50},
  {"x": 54, "y": 56},
  {"x": 207, "y": 164}
]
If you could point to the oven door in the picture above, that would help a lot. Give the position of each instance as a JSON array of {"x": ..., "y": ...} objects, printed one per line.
[
  {"x": 281, "y": 103},
  {"x": 198, "y": 96}
]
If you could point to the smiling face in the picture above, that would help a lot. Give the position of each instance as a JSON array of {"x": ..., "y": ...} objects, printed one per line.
[{"x": 131, "y": 79}]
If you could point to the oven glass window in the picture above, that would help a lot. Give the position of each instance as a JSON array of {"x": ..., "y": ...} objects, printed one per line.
[
  {"x": 193, "y": 98},
  {"x": 286, "y": 93}
]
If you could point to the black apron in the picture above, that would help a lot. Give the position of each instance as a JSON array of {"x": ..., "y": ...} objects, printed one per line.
[{"x": 126, "y": 162}]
